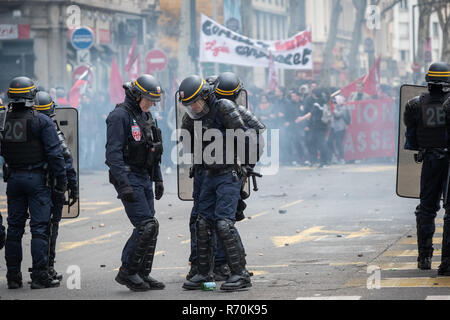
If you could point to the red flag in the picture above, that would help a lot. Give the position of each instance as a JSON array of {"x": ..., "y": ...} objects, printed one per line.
[
  {"x": 371, "y": 82},
  {"x": 116, "y": 92},
  {"x": 78, "y": 89},
  {"x": 134, "y": 72},
  {"x": 372, "y": 79},
  {"x": 273, "y": 80},
  {"x": 132, "y": 56}
]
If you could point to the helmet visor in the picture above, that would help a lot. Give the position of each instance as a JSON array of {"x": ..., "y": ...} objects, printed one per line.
[{"x": 197, "y": 110}]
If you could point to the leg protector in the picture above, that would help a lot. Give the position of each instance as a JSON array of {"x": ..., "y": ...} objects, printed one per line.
[
  {"x": 147, "y": 231},
  {"x": 425, "y": 232},
  {"x": 205, "y": 246},
  {"x": 232, "y": 246},
  {"x": 153, "y": 230}
]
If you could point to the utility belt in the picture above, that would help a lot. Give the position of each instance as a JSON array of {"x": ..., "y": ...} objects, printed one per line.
[
  {"x": 439, "y": 153},
  {"x": 214, "y": 172}
]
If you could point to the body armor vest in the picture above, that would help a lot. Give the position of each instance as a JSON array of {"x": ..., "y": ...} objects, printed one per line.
[
  {"x": 144, "y": 149},
  {"x": 431, "y": 128},
  {"x": 19, "y": 145}
]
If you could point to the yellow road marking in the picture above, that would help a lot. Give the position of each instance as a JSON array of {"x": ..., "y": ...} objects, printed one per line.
[
  {"x": 3, "y": 203},
  {"x": 443, "y": 282},
  {"x": 373, "y": 169},
  {"x": 66, "y": 246},
  {"x": 336, "y": 264},
  {"x": 414, "y": 240},
  {"x": 110, "y": 210},
  {"x": 291, "y": 204},
  {"x": 407, "y": 253},
  {"x": 186, "y": 241},
  {"x": 97, "y": 203},
  {"x": 404, "y": 266},
  {"x": 258, "y": 273},
  {"x": 2, "y": 197},
  {"x": 65, "y": 223},
  {"x": 309, "y": 235}
]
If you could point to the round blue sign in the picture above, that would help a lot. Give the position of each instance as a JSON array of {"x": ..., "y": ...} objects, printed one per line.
[{"x": 82, "y": 38}]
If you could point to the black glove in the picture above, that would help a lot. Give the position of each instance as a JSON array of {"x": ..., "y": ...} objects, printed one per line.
[
  {"x": 159, "y": 189},
  {"x": 73, "y": 195}
]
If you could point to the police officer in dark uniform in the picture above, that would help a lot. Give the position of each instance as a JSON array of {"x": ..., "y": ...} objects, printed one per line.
[
  {"x": 220, "y": 189},
  {"x": 46, "y": 105},
  {"x": 31, "y": 149},
  {"x": 424, "y": 118},
  {"x": 226, "y": 86},
  {"x": 2, "y": 124},
  {"x": 133, "y": 155}
]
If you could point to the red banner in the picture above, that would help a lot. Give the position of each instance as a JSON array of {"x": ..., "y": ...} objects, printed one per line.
[{"x": 371, "y": 133}]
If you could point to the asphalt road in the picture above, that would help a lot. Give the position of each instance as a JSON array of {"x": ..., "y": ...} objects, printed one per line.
[{"x": 332, "y": 233}]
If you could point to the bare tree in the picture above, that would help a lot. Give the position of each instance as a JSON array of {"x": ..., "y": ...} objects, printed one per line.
[
  {"x": 331, "y": 43},
  {"x": 443, "y": 12},
  {"x": 360, "y": 6},
  {"x": 425, "y": 11}
]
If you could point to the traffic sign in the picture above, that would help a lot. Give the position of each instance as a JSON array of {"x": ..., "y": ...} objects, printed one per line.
[
  {"x": 79, "y": 71},
  {"x": 82, "y": 38},
  {"x": 156, "y": 60}
]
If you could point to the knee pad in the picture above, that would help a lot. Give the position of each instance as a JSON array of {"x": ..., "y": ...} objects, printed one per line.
[
  {"x": 203, "y": 228},
  {"x": 149, "y": 229},
  {"x": 224, "y": 228}
]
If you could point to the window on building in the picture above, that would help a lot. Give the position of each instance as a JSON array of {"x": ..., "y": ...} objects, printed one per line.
[
  {"x": 404, "y": 4},
  {"x": 404, "y": 55},
  {"x": 436, "y": 29}
]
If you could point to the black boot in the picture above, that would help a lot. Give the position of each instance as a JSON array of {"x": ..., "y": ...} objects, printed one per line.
[
  {"x": 55, "y": 275},
  {"x": 221, "y": 272},
  {"x": 41, "y": 279},
  {"x": 237, "y": 282},
  {"x": 424, "y": 259},
  {"x": 14, "y": 280},
  {"x": 195, "y": 283},
  {"x": 444, "y": 268},
  {"x": 131, "y": 280},
  {"x": 193, "y": 271}
]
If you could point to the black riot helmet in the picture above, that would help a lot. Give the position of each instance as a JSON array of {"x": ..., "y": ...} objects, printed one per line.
[
  {"x": 438, "y": 73},
  {"x": 44, "y": 103},
  {"x": 194, "y": 89},
  {"x": 228, "y": 86},
  {"x": 145, "y": 86},
  {"x": 22, "y": 90}
]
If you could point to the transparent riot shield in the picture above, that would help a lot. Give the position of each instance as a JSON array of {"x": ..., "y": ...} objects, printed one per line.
[
  {"x": 184, "y": 181},
  {"x": 184, "y": 152},
  {"x": 67, "y": 119},
  {"x": 408, "y": 171},
  {"x": 3, "y": 111}
]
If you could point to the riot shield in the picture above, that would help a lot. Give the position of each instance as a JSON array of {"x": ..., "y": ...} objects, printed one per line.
[
  {"x": 3, "y": 111},
  {"x": 184, "y": 181},
  {"x": 67, "y": 119},
  {"x": 408, "y": 171}
]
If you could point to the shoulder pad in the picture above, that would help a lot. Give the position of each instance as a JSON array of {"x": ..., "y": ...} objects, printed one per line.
[
  {"x": 250, "y": 120},
  {"x": 446, "y": 104},
  {"x": 414, "y": 102},
  {"x": 230, "y": 114}
]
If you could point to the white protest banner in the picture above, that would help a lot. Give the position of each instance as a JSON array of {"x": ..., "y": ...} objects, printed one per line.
[{"x": 221, "y": 45}]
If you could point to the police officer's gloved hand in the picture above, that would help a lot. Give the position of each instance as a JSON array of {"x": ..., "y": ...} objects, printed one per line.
[
  {"x": 73, "y": 194},
  {"x": 60, "y": 187},
  {"x": 159, "y": 189}
]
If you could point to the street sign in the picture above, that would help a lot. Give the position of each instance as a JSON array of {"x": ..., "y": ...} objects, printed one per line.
[
  {"x": 82, "y": 38},
  {"x": 83, "y": 57},
  {"x": 156, "y": 60}
]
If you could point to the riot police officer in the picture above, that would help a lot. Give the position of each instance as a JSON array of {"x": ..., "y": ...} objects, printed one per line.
[
  {"x": 45, "y": 105},
  {"x": 2, "y": 118},
  {"x": 225, "y": 86},
  {"x": 133, "y": 155},
  {"x": 426, "y": 132},
  {"x": 31, "y": 149},
  {"x": 220, "y": 188}
]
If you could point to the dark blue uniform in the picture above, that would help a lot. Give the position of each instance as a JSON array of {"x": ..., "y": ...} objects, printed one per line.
[
  {"x": 122, "y": 130},
  {"x": 426, "y": 133},
  {"x": 2, "y": 233},
  {"x": 27, "y": 190}
]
